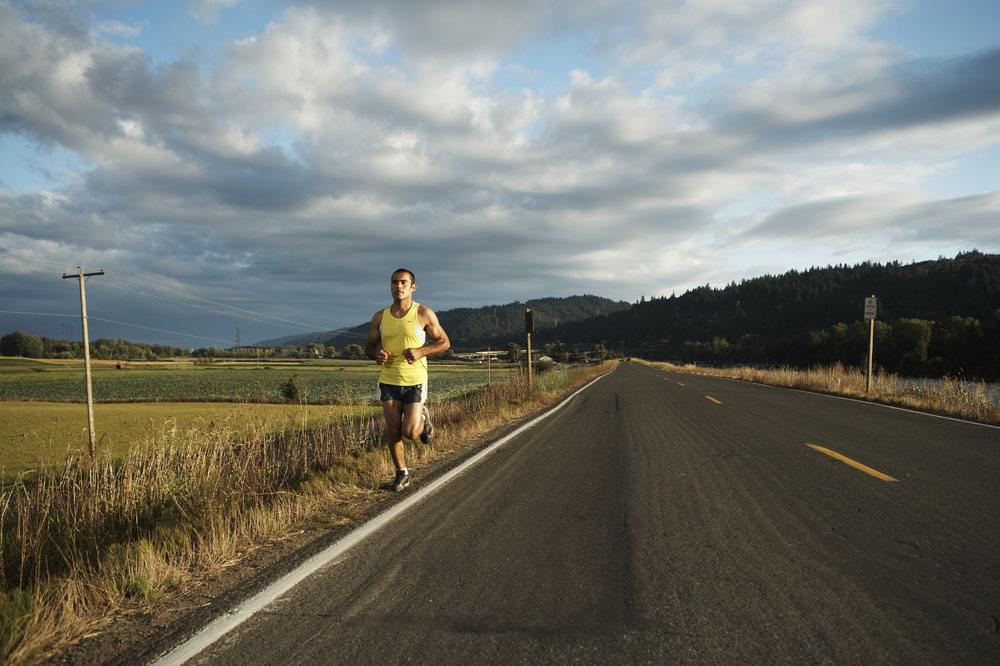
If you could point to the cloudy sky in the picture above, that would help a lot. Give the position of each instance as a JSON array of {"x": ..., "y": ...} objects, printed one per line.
[{"x": 266, "y": 164}]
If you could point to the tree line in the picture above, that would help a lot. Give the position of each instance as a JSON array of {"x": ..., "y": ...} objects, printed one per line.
[
  {"x": 19, "y": 343},
  {"x": 955, "y": 347},
  {"x": 935, "y": 318}
]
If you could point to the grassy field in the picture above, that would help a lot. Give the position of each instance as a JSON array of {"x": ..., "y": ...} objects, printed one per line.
[
  {"x": 38, "y": 434},
  {"x": 43, "y": 420},
  {"x": 325, "y": 382}
]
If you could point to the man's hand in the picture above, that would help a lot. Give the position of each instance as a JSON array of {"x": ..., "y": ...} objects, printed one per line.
[
  {"x": 381, "y": 356},
  {"x": 413, "y": 354}
]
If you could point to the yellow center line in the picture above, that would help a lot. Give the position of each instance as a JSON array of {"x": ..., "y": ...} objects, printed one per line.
[
  {"x": 853, "y": 463},
  {"x": 718, "y": 402}
]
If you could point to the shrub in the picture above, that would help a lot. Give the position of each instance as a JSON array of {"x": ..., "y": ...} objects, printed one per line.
[{"x": 291, "y": 390}]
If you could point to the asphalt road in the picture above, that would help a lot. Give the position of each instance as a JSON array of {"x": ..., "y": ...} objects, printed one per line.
[{"x": 673, "y": 518}]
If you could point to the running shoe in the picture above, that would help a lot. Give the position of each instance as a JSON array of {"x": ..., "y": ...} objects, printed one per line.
[
  {"x": 401, "y": 481},
  {"x": 428, "y": 431}
]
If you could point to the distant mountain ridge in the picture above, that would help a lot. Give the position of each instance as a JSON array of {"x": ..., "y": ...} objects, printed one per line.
[{"x": 475, "y": 327}]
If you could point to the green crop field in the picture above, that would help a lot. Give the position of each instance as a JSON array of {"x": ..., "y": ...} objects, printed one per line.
[
  {"x": 42, "y": 418},
  {"x": 338, "y": 382},
  {"x": 45, "y": 433}
]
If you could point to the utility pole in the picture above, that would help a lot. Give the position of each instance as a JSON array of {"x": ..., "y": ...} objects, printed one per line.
[
  {"x": 489, "y": 364},
  {"x": 82, "y": 277}
]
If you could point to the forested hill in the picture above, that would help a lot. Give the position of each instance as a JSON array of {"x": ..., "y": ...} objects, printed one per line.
[
  {"x": 471, "y": 328},
  {"x": 474, "y": 327},
  {"x": 935, "y": 317}
]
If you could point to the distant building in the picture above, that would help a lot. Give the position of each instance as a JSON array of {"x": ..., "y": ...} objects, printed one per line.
[{"x": 480, "y": 356}]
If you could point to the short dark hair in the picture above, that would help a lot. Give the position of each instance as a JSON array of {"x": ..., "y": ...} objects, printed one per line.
[{"x": 413, "y": 278}]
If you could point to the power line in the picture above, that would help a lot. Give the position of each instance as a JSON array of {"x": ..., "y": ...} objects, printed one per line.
[
  {"x": 259, "y": 317},
  {"x": 149, "y": 285},
  {"x": 114, "y": 321},
  {"x": 125, "y": 323},
  {"x": 36, "y": 260},
  {"x": 269, "y": 319},
  {"x": 198, "y": 307},
  {"x": 342, "y": 331},
  {"x": 160, "y": 330},
  {"x": 37, "y": 314}
]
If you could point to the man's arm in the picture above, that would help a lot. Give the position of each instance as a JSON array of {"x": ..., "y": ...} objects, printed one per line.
[
  {"x": 372, "y": 346},
  {"x": 434, "y": 331}
]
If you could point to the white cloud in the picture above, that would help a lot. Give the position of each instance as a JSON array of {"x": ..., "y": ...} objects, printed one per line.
[
  {"x": 891, "y": 216},
  {"x": 208, "y": 11},
  {"x": 119, "y": 29},
  {"x": 441, "y": 28}
]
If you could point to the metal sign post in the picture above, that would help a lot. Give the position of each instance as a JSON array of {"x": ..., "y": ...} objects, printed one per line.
[
  {"x": 871, "y": 307},
  {"x": 529, "y": 328}
]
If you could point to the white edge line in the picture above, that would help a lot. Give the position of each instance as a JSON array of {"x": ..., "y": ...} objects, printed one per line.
[
  {"x": 232, "y": 618},
  {"x": 844, "y": 397}
]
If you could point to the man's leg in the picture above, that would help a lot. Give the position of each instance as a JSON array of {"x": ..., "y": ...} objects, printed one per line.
[
  {"x": 416, "y": 419},
  {"x": 413, "y": 420},
  {"x": 392, "y": 410}
]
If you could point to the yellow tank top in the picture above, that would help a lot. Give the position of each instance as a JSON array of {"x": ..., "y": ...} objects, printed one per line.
[{"x": 398, "y": 335}]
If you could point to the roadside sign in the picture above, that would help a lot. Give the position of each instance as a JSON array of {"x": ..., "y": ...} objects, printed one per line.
[{"x": 871, "y": 305}]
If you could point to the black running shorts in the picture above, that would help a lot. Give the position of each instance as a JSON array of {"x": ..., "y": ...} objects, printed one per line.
[{"x": 404, "y": 394}]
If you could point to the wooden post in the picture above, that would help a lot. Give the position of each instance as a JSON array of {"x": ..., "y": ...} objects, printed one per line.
[
  {"x": 529, "y": 361},
  {"x": 871, "y": 351},
  {"x": 82, "y": 277},
  {"x": 529, "y": 329}
]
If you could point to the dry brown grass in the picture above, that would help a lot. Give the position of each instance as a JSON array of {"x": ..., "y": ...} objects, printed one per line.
[
  {"x": 967, "y": 400},
  {"x": 81, "y": 544}
]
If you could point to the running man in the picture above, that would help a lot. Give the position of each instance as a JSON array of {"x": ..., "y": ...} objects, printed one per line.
[{"x": 396, "y": 341}]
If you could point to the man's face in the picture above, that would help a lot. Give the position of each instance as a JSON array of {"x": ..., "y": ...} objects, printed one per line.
[{"x": 401, "y": 285}]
